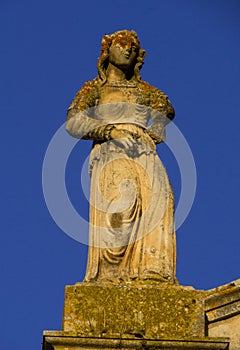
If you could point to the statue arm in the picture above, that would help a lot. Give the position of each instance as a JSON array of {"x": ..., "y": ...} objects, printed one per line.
[
  {"x": 162, "y": 112},
  {"x": 79, "y": 122}
]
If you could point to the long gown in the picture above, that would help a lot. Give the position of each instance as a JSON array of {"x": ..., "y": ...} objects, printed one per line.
[{"x": 131, "y": 235}]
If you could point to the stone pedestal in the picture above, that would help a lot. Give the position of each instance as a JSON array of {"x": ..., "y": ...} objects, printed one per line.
[
  {"x": 149, "y": 311},
  {"x": 133, "y": 316}
]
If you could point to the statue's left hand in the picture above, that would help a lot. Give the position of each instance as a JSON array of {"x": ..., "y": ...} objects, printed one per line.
[{"x": 124, "y": 138}]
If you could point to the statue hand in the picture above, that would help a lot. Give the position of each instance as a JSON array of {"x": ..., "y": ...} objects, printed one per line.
[{"x": 124, "y": 138}]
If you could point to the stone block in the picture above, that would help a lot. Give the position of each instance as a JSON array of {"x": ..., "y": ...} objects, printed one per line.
[{"x": 142, "y": 311}]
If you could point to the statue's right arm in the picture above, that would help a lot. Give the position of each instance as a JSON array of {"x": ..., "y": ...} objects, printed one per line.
[{"x": 79, "y": 123}]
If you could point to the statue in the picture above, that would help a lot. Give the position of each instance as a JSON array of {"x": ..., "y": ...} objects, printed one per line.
[{"x": 132, "y": 235}]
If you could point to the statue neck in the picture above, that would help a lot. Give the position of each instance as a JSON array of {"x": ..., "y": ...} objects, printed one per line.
[{"x": 114, "y": 73}]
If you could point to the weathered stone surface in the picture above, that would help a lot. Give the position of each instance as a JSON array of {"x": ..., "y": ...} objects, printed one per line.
[
  {"x": 227, "y": 328},
  {"x": 222, "y": 306},
  {"x": 148, "y": 316},
  {"x": 68, "y": 341},
  {"x": 148, "y": 311}
]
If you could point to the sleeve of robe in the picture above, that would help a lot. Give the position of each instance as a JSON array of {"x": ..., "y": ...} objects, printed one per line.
[
  {"x": 80, "y": 120},
  {"x": 162, "y": 112}
]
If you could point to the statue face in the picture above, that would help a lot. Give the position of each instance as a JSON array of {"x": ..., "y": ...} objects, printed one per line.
[{"x": 123, "y": 51}]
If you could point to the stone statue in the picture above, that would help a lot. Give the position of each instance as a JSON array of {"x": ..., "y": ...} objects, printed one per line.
[{"x": 132, "y": 235}]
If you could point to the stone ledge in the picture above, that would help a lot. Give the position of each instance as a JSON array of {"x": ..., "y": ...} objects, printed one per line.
[
  {"x": 223, "y": 312},
  {"x": 222, "y": 308},
  {"x": 60, "y": 340},
  {"x": 223, "y": 302}
]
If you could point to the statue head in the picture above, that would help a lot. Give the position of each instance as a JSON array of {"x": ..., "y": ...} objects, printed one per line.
[{"x": 124, "y": 40}]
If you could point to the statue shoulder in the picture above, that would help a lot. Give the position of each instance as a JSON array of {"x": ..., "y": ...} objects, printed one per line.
[
  {"x": 86, "y": 97},
  {"x": 160, "y": 101},
  {"x": 89, "y": 89}
]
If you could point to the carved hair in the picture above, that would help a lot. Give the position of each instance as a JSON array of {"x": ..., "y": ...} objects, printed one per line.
[{"x": 104, "y": 57}]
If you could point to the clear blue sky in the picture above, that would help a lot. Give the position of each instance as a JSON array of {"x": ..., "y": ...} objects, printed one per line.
[{"x": 48, "y": 50}]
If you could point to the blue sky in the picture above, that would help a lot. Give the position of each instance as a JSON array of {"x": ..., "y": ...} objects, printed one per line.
[{"x": 48, "y": 50}]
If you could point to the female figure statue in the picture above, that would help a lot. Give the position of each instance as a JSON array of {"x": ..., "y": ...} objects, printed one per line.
[{"x": 131, "y": 234}]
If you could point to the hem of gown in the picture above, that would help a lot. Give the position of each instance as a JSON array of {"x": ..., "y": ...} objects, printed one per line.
[{"x": 147, "y": 279}]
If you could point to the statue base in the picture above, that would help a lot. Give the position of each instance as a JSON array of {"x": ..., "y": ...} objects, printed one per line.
[
  {"x": 146, "y": 316},
  {"x": 143, "y": 310}
]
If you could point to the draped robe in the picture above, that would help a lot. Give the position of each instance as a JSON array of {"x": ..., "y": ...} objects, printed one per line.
[{"x": 131, "y": 234}]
